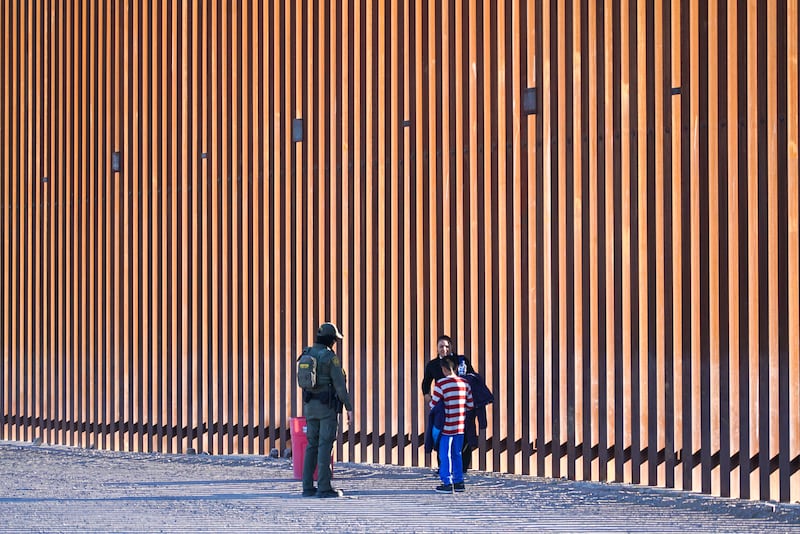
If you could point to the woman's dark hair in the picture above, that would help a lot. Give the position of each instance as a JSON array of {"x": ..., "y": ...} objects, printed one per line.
[{"x": 444, "y": 337}]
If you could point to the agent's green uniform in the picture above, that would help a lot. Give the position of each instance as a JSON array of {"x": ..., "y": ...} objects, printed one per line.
[{"x": 321, "y": 415}]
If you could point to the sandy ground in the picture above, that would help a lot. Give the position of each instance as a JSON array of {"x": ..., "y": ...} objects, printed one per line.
[{"x": 66, "y": 489}]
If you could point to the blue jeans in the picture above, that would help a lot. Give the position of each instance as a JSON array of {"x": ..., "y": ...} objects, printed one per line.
[{"x": 451, "y": 466}]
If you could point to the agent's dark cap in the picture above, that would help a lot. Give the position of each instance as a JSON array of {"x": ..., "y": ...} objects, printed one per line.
[{"x": 329, "y": 330}]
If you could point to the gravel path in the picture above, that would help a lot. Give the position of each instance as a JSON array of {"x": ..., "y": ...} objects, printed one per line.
[{"x": 67, "y": 489}]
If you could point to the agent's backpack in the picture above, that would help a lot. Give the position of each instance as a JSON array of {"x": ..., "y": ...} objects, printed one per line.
[{"x": 306, "y": 369}]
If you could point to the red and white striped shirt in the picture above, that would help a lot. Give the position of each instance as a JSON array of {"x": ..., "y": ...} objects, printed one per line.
[{"x": 456, "y": 394}]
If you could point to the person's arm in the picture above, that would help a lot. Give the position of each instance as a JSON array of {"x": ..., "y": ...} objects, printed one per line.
[
  {"x": 340, "y": 384},
  {"x": 470, "y": 400},
  {"x": 427, "y": 380},
  {"x": 436, "y": 396}
]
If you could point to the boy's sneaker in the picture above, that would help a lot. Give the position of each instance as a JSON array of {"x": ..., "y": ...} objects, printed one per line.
[
  {"x": 459, "y": 486},
  {"x": 310, "y": 492},
  {"x": 444, "y": 488}
]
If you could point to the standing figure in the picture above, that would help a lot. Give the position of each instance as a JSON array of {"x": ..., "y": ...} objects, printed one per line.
[
  {"x": 433, "y": 372},
  {"x": 456, "y": 395},
  {"x": 322, "y": 404}
]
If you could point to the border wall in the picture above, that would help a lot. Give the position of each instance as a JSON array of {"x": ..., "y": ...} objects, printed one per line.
[{"x": 598, "y": 200}]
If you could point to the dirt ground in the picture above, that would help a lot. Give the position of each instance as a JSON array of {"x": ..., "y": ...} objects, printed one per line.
[{"x": 65, "y": 489}]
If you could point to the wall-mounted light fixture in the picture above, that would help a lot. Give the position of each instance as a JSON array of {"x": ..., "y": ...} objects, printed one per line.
[
  {"x": 529, "y": 101},
  {"x": 297, "y": 130}
]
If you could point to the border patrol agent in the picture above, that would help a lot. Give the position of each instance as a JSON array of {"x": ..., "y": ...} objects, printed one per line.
[{"x": 321, "y": 408}]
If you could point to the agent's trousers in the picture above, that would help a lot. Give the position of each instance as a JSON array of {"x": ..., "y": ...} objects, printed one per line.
[{"x": 322, "y": 423}]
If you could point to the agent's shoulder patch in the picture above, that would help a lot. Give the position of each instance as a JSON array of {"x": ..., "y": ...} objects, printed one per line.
[{"x": 336, "y": 361}]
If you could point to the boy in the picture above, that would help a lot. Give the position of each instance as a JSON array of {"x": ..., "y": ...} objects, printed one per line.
[{"x": 456, "y": 395}]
